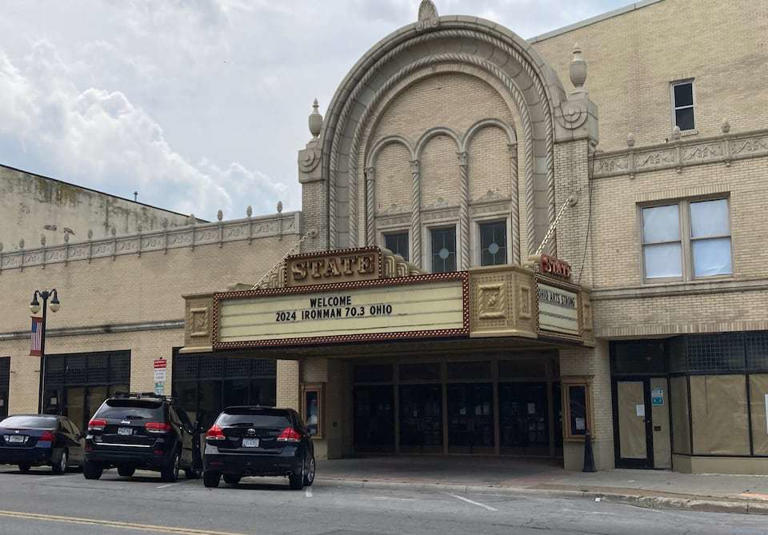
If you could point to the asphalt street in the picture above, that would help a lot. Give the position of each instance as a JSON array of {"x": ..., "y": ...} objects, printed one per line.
[{"x": 41, "y": 503}]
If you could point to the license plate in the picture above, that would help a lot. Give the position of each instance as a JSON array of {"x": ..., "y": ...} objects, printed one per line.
[
  {"x": 124, "y": 431},
  {"x": 16, "y": 439},
  {"x": 250, "y": 442}
]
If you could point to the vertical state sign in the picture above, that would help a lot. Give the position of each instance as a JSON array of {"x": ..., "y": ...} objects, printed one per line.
[
  {"x": 433, "y": 305},
  {"x": 558, "y": 310}
]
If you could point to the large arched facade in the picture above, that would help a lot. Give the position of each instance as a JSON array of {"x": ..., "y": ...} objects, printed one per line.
[{"x": 446, "y": 122}]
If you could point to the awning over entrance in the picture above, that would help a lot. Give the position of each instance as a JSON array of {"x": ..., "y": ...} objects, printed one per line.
[{"x": 370, "y": 296}]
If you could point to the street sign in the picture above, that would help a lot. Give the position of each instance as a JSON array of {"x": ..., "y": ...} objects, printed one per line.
[{"x": 161, "y": 367}]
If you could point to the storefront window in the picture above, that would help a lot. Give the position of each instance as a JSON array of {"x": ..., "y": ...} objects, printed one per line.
[
  {"x": 758, "y": 385},
  {"x": 77, "y": 384},
  {"x": 681, "y": 429},
  {"x": 5, "y": 374},
  {"x": 719, "y": 415},
  {"x": 206, "y": 384}
]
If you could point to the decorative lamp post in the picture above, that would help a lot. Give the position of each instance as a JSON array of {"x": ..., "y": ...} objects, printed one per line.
[{"x": 34, "y": 306}]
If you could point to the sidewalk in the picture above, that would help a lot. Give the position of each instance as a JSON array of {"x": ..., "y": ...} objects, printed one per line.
[{"x": 649, "y": 488}]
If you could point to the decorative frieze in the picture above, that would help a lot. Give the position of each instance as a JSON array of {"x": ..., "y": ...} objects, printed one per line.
[
  {"x": 137, "y": 244},
  {"x": 679, "y": 154}
]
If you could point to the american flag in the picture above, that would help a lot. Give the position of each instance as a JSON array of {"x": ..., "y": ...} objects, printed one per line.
[{"x": 37, "y": 336}]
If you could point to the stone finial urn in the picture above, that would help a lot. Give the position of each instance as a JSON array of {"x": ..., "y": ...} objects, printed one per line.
[
  {"x": 315, "y": 120},
  {"x": 578, "y": 69}
]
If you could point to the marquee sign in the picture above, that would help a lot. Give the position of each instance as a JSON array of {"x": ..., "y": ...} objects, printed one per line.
[
  {"x": 549, "y": 265},
  {"x": 432, "y": 305},
  {"x": 558, "y": 310},
  {"x": 344, "y": 265}
]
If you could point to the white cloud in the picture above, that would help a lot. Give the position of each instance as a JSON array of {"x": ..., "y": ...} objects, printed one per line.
[
  {"x": 108, "y": 142},
  {"x": 197, "y": 104}
]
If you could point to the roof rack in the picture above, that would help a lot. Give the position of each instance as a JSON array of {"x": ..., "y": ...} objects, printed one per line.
[{"x": 140, "y": 395}]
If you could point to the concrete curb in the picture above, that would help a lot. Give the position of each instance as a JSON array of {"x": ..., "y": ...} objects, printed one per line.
[{"x": 643, "y": 498}]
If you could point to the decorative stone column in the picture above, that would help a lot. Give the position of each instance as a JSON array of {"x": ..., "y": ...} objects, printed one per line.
[
  {"x": 464, "y": 209},
  {"x": 514, "y": 205},
  {"x": 416, "y": 213},
  {"x": 370, "y": 206}
]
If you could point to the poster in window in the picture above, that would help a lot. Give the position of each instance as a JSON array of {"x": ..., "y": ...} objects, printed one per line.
[
  {"x": 577, "y": 401},
  {"x": 312, "y": 404}
]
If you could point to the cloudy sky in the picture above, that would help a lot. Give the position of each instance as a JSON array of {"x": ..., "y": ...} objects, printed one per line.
[{"x": 197, "y": 104}]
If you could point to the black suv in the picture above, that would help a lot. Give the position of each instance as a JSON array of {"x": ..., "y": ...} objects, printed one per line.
[
  {"x": 258, "y": 441},
  {"x": 147, "y": 431}
]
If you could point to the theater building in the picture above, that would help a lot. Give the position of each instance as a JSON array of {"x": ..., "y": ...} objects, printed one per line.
[{"x": 504, "y": 245}]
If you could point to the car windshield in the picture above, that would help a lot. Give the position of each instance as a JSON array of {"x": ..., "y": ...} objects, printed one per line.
[
  {"x": 131, "y": 409},
  {"x": 29, "y": 422},
  {"x": 254, "y": 418}
]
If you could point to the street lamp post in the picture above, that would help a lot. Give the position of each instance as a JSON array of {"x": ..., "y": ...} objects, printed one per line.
[{"x": 34, "y": 306}]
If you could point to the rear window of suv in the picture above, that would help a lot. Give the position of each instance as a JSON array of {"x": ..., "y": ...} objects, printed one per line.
[
  {"x": 131, "y": 409},
  {"x": 254, "y": 418}
]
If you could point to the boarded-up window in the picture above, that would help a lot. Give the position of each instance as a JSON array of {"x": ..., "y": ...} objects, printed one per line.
[
  {"x": 681, "y": 429},
  {"x": 719, "y": 414},
  {"x": 759, "y": 398}
]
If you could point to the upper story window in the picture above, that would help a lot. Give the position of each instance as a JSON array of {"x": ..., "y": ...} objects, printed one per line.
[
  {"x": 493, "y": 243},
  {"x": 687, "y": 240},
  {"x": 397, "y": 242},
  {"x": 443, "y": 249},
  {"x": 683, "y": 106}
]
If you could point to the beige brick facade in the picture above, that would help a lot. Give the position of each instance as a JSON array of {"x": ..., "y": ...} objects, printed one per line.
[
  {"x": 454, "y": 122},
  {"x": 132, "y": 301},
  {"x": 634, "y": 56}
]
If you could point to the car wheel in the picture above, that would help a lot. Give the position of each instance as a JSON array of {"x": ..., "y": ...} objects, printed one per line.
[
  {"x": 296, "y": 481},
  {"x": 192, "y": 472},
  {"x": 309, "y": 477},
  {"x": 61, "y": 466},
  {"x": 24, "y": 468},
  {"x": 170, "y": 472},
  {"x": 231, "y": 479},
  {"x": 92, "y": 470},
  {"x": 126, "y": 471},
  {"x": 211, "y": 479}
]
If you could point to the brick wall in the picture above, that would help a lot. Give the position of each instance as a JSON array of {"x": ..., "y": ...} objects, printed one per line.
[
  {"x": 30, "y": 202},
  {"x": 129, "y": 302},
  {"x": 633, "y": 57}
]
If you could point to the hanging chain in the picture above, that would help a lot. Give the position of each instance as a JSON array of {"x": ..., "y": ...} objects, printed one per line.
[
  {"x": 269, "y": 274},
  {"x": 571, "y": 201}
]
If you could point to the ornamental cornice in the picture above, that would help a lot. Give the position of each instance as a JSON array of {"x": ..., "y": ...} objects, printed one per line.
[
  {"x": 191, "y": 236},
  {"x": 682, "y": 153}
]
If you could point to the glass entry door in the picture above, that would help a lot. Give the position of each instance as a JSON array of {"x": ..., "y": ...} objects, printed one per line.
[
  {"x": 470, "y": 418},
  {"x": 374, "y": 418},
  {"x": 421, "y": 418},
  {"x": 524, "y": 417}
]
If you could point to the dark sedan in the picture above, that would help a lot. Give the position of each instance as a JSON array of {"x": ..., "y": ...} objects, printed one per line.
[
  {"x": 29, "y": 440},
  {"x": 258, "y": 441}
]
